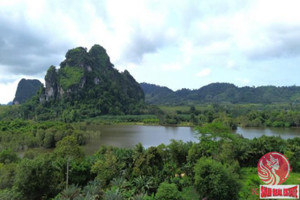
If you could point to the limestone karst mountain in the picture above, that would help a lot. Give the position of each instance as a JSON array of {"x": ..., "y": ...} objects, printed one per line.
[{"x": 26, "y": 89}]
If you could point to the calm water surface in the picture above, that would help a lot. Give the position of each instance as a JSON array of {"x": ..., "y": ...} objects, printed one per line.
[
  {"x": 129, "y": 135},
  {"x": 284, "y": 133}
]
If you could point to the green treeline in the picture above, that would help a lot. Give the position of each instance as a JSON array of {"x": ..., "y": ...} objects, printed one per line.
[
  {"x": 19, "y": 134},
  {"x": 233, "y": 115},
  {"x": 221, "y": 166}
]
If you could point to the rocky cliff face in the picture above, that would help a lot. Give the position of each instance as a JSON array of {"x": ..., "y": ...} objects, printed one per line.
[
  {"x": 51, "y": 83},
  {"x": 26, "y": 89},
  {"x": 89, "y": 78}
]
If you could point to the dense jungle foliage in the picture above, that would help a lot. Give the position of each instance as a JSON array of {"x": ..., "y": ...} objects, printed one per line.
[
  {"x": 223, "y": 168},
  {"x": 245, "y": 115}
]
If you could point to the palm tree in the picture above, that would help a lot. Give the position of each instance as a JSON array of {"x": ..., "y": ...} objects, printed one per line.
[
  {"x": 139, "y": 197},
  {"x": 70, "y": 193},
  {"x": 143, "y": 183},
  {"x": 112, "y": 195},
  {"x": 92, "y": 190},
  {"x": 118, "y": 182}
]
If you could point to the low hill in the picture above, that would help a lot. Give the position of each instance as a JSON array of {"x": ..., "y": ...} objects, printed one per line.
[{"x": 154, "y": 93}]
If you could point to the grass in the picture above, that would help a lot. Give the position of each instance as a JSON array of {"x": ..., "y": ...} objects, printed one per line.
[
  {"x": 293, "y": 179},
  {"x": 125, "y": 119},
  {"x": 70, "y": 76},
  {"x": 3, "y": 109},
  {"x": 183, "y": 109}
]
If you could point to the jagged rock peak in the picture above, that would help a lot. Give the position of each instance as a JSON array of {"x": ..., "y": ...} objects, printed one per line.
[
  {"x": 74, "y": 70},
  {"x": 96, "y": 57},
  {"x": 88, "y": 77}
]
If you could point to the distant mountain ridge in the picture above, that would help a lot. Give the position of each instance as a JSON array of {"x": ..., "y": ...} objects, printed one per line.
[
  {"x": 220, "y": 92},
  {"x": 26, "y": 89},
  {"x": 155, "y": 94}
]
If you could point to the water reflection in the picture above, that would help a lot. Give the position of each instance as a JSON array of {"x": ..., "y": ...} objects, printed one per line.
[
  {"x": 284, "y": 133},
  {"x": 127, "y": 136}
]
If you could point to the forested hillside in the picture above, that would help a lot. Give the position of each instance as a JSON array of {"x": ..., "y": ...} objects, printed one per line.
[
  {"x": 220, "y": 92},
  {"x": 86, "y": 85}
]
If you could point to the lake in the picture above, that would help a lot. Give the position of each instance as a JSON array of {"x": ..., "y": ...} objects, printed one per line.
[
  {"x": 284, "y": 133},
  {"x": 128, "y": 136}
]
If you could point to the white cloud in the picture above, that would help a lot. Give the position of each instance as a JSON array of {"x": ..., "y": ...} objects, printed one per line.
[
  {"x": 8, "y": 86},
  {"x": 204, "y": 72},
  {"x": 129, "y": 67},
  {"x": 243, "y": 81},
  {"x": 231, "y": 64},
  {"x": 8, "y": 91},
  {"x": 143, "y": 35},
  {"x": 171, "y": 67}
]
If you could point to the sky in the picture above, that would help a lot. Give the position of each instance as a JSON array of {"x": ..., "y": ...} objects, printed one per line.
[{"x": 173, "y": 43}]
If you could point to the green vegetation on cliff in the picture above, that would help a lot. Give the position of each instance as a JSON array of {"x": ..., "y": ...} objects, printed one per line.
[
  {"x": 70, "y": 76},
  {"x": 85, "y": 86}
]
